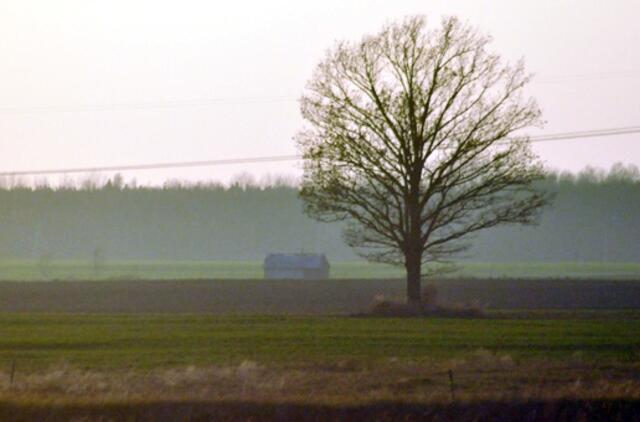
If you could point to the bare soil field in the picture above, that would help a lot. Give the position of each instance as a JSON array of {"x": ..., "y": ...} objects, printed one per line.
[{"x": 305, "y": 297}]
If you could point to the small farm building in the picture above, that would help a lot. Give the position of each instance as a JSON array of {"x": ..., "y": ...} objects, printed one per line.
[{"x": 296, "y": 266}]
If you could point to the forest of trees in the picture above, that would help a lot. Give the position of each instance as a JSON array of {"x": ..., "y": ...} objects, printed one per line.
[{"x": 595, "y": 217}]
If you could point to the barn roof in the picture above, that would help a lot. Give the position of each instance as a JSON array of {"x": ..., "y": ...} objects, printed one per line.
[{"x": 296, "y": 261}]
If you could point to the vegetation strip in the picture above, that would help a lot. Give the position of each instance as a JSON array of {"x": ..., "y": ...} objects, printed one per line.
[{"x": 37, "y": 341}]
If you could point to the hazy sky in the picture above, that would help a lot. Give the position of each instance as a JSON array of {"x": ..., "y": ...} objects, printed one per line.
[{"x": 93, "y": 83}]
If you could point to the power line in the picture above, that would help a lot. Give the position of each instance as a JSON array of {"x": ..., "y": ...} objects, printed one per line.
[
  {"x": 586, "y": 134},
  {"x": 154, "y": 166},
  {"x": 280, "y": 158}
]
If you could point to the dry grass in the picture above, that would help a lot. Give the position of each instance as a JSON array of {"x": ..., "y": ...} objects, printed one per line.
[
  {"x": 481, "y": 376},
  {"x": 193, "y": 367},
  {"x": 485, "y": 386}
]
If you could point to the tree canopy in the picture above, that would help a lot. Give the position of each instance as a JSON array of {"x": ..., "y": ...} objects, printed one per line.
[{"x": 413, "y": 138}]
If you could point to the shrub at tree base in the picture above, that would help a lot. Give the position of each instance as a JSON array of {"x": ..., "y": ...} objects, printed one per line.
[
  {"x": 427, "y": 307},
  {"x": 402, "y": 309}
]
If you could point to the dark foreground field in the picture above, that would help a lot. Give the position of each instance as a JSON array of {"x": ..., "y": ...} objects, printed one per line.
[
  {"x": 306, "y": 297},
  {"x": 200, "y": 350},
  {"x": 204, "y": 367}
]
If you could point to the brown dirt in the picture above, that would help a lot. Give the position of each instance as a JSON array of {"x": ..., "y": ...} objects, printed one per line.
[{"x": 304, "y": 297}]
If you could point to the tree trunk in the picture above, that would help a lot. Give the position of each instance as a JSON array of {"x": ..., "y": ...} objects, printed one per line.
[
  {"x": 413, "y": 252},
  {"x": 413, "y": 265}
]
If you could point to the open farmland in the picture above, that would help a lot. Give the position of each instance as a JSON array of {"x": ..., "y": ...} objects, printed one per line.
[
  {"x": 234, "y": 349},
  {"x": 43, "y": 270},
  {"x": 186, "y": 366},
  {"x": 37, "y": 341},
  {"x": 229, "y": 349},
  {"x": 318, "y": 297}
]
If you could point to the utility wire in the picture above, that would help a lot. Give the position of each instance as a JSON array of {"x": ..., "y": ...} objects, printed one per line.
[
  {"x": 586, "y": 134},
  {"x": 279, "y": 158},
  {"x": 153, "y": 166}
]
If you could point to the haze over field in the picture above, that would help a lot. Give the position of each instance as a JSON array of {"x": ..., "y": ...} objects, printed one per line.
[{"x": 592, "y": 219}]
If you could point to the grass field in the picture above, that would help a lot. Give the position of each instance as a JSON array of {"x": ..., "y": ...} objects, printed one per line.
[
  {"x": 129, "y": 363},
  {"x": 159, "y": 341},
  {"x": 189, "y": 367},
  {"x": 158, "y": 270}
]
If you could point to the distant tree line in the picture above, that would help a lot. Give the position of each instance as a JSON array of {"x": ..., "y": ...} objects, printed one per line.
[{"x": 595, "y": 217}]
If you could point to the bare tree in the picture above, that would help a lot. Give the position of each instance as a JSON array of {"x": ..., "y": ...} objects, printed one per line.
[{"x": 410, "y": 140}]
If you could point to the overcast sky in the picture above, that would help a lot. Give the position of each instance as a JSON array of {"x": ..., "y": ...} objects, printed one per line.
[{"x": 95, "y": 83}]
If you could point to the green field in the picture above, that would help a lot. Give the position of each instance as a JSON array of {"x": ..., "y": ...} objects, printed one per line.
[
  {"x": 12, "y": 270},
  {"x": 198, "y": 367},
  {"x": 158, "y": 341}
]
